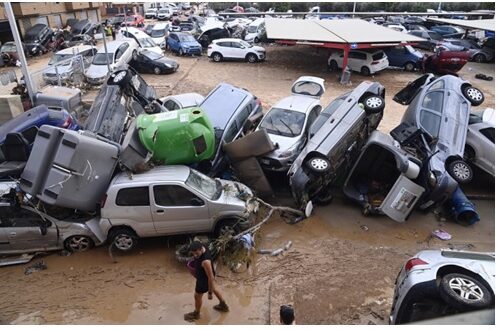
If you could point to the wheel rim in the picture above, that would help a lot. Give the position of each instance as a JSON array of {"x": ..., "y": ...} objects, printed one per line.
[
  {"x": 120, "y": 76},
  {"x": 227, "y": 230},
  {"x": 409, "y": 67},
  {"x": 251, "y": 58},
  {"x": 157, "y": 71},
  {"x": 319, "y": 164},
  {"x": 373, "y": 102},
  {"x": 181, "y": 52},
  {"x": 365, "y": 71},
  {"x": 123, "y": 242},
  {"x": 466, "y": 289},
  {"x": 217, "y": 58},
  {"x": 79, "y": 243},
  {"x": 474, "y": 94},
  {"x": 461, "y": 171},
  {"x": 479, "y": 58}
]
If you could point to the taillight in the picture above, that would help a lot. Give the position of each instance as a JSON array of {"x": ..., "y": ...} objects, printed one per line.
[
  {"x": 102, "y": 202},
  {"x": 67, "y": 123},
  {"x": 413, "y": 263}
]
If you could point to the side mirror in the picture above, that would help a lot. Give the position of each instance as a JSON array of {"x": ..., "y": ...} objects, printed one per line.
[{"x": 195, "y": 201}]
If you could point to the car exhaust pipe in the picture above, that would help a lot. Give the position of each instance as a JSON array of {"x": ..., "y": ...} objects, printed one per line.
[{"x": 462, "y": 210}]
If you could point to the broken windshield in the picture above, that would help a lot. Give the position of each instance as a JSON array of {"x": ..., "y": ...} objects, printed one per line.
[
  {"x": 205, "y": 185},
  {"x": 283, "y": 122}
]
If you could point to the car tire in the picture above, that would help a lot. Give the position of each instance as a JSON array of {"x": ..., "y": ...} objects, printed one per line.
[
  {"x": 251, "y": 58},
  {"x": 473, "y": 95},
  {"x": 480, "y": 58},
  {"x": 123, "y": 239},
  {"x": 157, "y": 70},
  {"x": 256, "y": 40},
  {"x": 78, "y": 243},
  {"x": 464, "y": 292},
  {"x": 121, "y": 78},
  {"x": 333, "y": 66},
  {"x": 324, "y": 198},
  {"x": 460, "y": 171},
  {"x": 181, "y": 52},
  {"x": 409, "y": 66},
  {"x": 318, "y": 164},
  {"x": 217, "y": 57},
  {"x": 365, "y": 71},
  {"x": 134, "y": 55},
  {"x": 373, "y": 104},
  {"x": 227, "y": 226}
]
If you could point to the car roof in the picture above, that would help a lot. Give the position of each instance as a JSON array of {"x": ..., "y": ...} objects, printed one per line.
[
  {"x": 160, "y": 26},
  {"x": 75, "y": 49},
  {"x": 137, "y": 32},
  {"x": 298, "y": 103},
  {"x": 226, "y": 39},
  {"x": 157, "y": 174},
  {"x": 113, "y": 46}
]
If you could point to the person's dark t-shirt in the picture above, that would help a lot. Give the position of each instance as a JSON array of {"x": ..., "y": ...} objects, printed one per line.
[{"x": 202, "y": 284}]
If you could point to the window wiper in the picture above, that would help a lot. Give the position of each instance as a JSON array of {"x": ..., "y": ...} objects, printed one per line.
[
  {"x": 287, "y": 126},
  {"x": 274, "y": 127}
]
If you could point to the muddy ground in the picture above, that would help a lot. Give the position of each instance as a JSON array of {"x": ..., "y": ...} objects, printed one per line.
[{"x": 340, "y": 269}]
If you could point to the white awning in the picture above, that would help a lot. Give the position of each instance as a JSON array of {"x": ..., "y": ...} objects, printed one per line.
[
  {"x": 346, "y": 31},
  {"x": 480, "y": 24}
]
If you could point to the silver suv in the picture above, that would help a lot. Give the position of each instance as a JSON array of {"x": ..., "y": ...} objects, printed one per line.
[{"x": 169, "y": 200}]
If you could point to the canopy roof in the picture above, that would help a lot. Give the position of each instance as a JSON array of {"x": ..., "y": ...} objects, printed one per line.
[
  {"x": 480, "y": 24},
  {"x": 346, "y": 31}
]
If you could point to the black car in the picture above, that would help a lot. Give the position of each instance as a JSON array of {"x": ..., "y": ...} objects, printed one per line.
[
  {"x": 85, "y": 27},
  {"x": 148, "y": 29},
  {"x": 150, "y": 62},
  {"x": 81, "y": 39},
  {"x": 37, "y": 39},
  {"x": 117, "y": 20},
  {"x": 208, "y": 36}
]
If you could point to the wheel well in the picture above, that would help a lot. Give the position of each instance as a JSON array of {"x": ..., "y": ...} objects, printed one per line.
[
  {"x": 465, "y": 85},
  {"x": 450, "y": 159},
  {"x": 114, "y": 229},
  {"x": 470, "y": 150},
  {"x": 314, "y": 154},
  {"x": 246, "y": 56},
  {"x": 460, "y": 270},
  {"x": 222, "y": 220}
]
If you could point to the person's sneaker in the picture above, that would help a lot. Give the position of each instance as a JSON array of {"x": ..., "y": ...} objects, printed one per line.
[
  {"x": 192, "y": 316},
  {"x": 222, "y": 307}
]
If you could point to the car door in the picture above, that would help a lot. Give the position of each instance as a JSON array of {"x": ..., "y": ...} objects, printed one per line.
[
  {"x": 26, "y": 231},
  {"x": 487, "y": 146},
  {"x": 355, "y": 63},
  {"x": 225, "y": 49},
  {"x": 133, "y": 205},
  {"x": 176, "y": 209},
  {"x": 237, "y": 50},
  {"x": 173, "y": 41}
]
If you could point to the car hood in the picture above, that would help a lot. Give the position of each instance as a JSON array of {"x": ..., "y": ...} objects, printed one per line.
[
  {"x": 258, "y": 49},
  {"x": 96, "y": 71},
  {"x": 190, "y": 43},
  {"x": 60, "y": 69},
  {"x": 167, "y": 61},
  {"x": 155, "y": 49},
  {"x": 238, "y": 195},
  {"x": 284, "y": 142}
]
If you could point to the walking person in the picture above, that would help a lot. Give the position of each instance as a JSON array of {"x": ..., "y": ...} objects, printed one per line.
[{"x": 205, "y": 274}]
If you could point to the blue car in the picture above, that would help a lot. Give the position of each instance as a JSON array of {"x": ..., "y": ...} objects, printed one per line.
[
  {"x": 183, "y": 43},
  {"x": 404, "y": 57},
  {"x": 28, "y": 122}
]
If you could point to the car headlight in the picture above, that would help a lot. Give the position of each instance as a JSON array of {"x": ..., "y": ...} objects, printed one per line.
[
  {"x": 290, "y": 151},
  {"x": 33, "y": 49},
  {"x": 168, "y": 65}
]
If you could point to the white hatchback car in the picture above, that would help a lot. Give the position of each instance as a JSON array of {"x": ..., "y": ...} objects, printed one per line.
[
  {"x": 180, "y": 101},
  {"x": 119, "y": 52},
  {"x": 230, "y": 48},
  {"x": 480, "y": 141},
  {"x": 288, "y": 121},
  {"x": 365, "y": 62},
  {"x": 435, "y": 283}
]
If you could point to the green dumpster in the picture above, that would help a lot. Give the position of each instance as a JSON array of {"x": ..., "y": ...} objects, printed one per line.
[{"x": 182, "y": 136}]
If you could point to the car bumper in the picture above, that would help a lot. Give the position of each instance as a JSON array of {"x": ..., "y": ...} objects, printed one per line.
[
  {"x": 95, "y": 81},
  {"x": 194, "y": 51},
  {"x": 378, "y": 67},
  {"x": 261, "y": 56},
  {"x": 276, "y": 165}
]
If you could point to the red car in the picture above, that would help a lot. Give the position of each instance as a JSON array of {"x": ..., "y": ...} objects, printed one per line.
[
  {"x": 134, "y": 20},
  {"x": 445, "y": 62}
]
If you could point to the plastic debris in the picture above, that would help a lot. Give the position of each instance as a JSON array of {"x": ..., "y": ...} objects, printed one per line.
[
  {"x": 40, "y": 265},
  {"x": 441, "y": 234}
]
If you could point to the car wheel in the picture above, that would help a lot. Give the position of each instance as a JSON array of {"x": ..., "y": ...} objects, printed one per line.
[
  {"x": 135, "y": 55},
  {"x": 333, "y": 67},
  {"x": 78, "y": 243},
  {"x": 216, "y": 57},
  {"x": 473, "y": 94},
  {"x": 319, "y": 164},
  {"x": 181, "y": 52},
  {"x": 124, "y": 239},
  {"x": 256, "y": 40},
  {"x": 227, "y": 227},
  {"x": 157, "y": 70},
  {"x": 120, "y": 78},
  {"x": 324, "y": 198},
  {"x": 460, "y": 171},
  {"x": 464, "y": 292},
  {"x": 251, "y": 58},
  {"x": 480, "y": 58},
  {"x": 365, "y": 71},
  {"x": 373, "y": 104},
  {"x": 409, "y": 66}
]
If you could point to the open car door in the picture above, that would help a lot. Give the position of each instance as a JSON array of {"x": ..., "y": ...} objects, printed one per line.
[
  {"x": 408, "y": 93},
  {"x": 401, "y": 199}
]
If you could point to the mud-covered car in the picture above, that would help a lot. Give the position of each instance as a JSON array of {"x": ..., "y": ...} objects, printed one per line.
[
  {"x": 440, "y": 108},
  {"x": 335, "y": 139},
  {"x": 177, "y": 137},
  {"x": 169, "y": 200},
  {"x": 125, "y": 95},
  {"x": 436, "y": 283},
  {"x": 24, "y": 229},
  {"x": 480, "y": 141}
]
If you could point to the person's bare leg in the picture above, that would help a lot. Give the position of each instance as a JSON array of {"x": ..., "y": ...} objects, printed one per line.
[
  {"x": 218, "y": 294},
  {"x": 222, "y": 306},
  {"x": 195, "y": 315},
  {"x": 198, "y": 301}
]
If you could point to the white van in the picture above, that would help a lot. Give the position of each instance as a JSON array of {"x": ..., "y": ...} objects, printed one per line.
[
  {"x": 159, "y": 33},
  {"x": 255, "y": 30},
  {"x": 145, "y": 42}
]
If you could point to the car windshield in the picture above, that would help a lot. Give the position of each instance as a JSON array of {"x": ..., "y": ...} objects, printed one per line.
[
  {"x": 130, "y": 19},
  {"x": 246, "y": 44},
  {"x": 410, "y": 49},
  {"x": 208, "y": 187},
  {"x": 118, "y": 19},
  {"x": 163, "y": 11},
  {"x": 186, "y": 38},
  {"x": 146, "y": 43},
  {"x": 158, "y": 33},
  {"x": 59, "y": 57},
  {"x": 435, "y": 36},
  {"x": 252, "y": 29},
  {"x": 8, "y": 48},
  {"x": 283, "y": 122},
  {"x": 152, "y": 55},
  {"x": 101, "y": 58}
]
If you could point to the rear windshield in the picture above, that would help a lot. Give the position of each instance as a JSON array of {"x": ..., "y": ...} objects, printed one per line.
[
  {"x": 222, "y": 104},
  {"x": 378, "y": 56},
  {"x": 158, "y": 33}
]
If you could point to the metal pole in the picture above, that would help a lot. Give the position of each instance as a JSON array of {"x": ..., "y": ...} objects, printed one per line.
[
  {"x": 22, "y": 57},
  {"x": 353, "y": 10}
]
